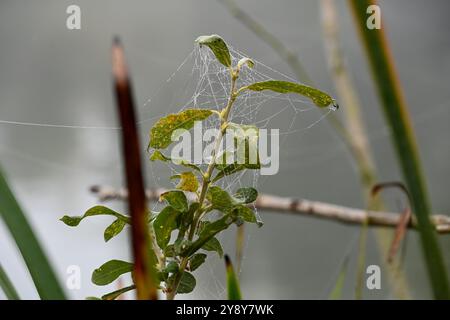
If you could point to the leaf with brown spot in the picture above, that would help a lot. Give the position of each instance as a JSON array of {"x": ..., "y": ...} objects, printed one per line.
[{"x": 161, "y": 132}]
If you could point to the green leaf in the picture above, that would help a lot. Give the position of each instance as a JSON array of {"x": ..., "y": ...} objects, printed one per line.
[
  {"x": 213, "y": 245},
  {"x": 74, "y": 221},
  {"x": 246, "y": 195},
  {"x": 207, "y": 233},
  {"x": 186, "y": 218},
  {"x": 176, "y": 199},
  {"x": 229, "y": 170},
  {"x": 161, "y": 132},
  {"x": 187, "y": 282},
  {"x": 158, "y": 155},
  {"x": 113, "y": 229},
  {"x": 219, "y": 198},
  {"x": 92, "y": 298},
  {"x": 169, "y": 251},
  {"x": 7, "y": 286},
  {"x": 38, "y": 265},
  {"x": 164, "y": 224},
  {"x": 245, "y": 213},
  {"x": 234, "y": 291},
  {"x": 172, "y": 267},
  {"x": 245, "y": 139},
  {"x": 181, "y": 245},
  {"x": 196, "y": 261},
  {"x": 115, "y": 294},
  {"x": 188, "y": 181},
  {"x": 319, "y": 98},
  {"x": 222, "y": 201},
  {"x": 218, "y": 47},
  {"x": 110, "y": 271}
]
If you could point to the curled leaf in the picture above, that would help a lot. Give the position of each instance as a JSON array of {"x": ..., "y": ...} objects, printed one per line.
[
  {"x": 218, "y": 47},
  {"x": 245, "y": 61},
  {"x": 188, "y": 181}
]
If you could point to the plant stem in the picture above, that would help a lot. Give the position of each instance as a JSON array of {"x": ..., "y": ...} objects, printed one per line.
[
  {"x": 356, "y": 136},
  {"x": 144, "y": 271},
  {"x": 396, "y": 113},
  {"x": 171, "y": 292},
  {"x": 361, "y": 261},
  {"x": 8, "y": 288}
]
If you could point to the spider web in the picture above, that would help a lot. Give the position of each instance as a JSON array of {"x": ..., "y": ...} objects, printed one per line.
[
  {"x": 205, "y": 84},
  {"x": 288, "y": 112}
]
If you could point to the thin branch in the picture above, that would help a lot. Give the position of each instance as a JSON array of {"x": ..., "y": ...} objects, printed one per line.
[{"x": 306, "y": 207}]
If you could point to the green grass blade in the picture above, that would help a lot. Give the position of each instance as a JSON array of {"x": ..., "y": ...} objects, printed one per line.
[
  {"x": 336, "y": 293},
  {"x": 38, "y": 265},
  {"x": 396, "y": 113},
  {"x": 361, "y": 261},
  {"x": 234, "y": 291},
  {"x": 7, "y": 286}
]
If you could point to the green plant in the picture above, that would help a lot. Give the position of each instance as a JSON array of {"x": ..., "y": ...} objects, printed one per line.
[
  {"x": 189, "y": 206},
  {"x": 41, "y": 272},
  {"x": 397, "y": 116}
]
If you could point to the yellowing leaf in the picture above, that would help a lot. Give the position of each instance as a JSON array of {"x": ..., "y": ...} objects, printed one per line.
[
  {"x": 161, "y": 132},
  {"x": 188, "y": 181}
]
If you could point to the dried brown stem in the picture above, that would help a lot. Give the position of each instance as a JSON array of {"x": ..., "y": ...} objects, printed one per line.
[{"x": 137, "y": 204}]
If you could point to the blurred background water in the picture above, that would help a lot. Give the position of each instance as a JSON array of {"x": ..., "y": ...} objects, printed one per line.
[{"x": 51, "y": 75}]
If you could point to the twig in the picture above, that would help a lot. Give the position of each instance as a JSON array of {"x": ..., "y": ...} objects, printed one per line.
[{"x": 315, "y": 209}]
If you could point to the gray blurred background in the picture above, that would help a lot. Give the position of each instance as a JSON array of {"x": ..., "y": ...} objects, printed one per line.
[{"x": 52, "y": 75}]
